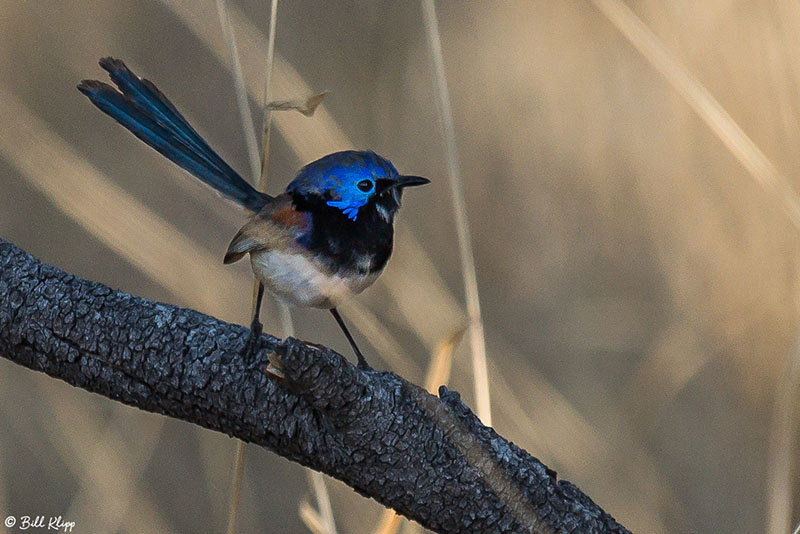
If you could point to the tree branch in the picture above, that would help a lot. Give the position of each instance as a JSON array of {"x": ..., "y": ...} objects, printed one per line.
[{"x": 427, "y": 457}]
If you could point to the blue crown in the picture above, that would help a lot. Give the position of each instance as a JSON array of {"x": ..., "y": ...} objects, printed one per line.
[{"x": 347, "y": 178}]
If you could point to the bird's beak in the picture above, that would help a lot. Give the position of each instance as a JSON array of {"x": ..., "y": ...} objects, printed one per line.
[{"x": 409, "y": 181}]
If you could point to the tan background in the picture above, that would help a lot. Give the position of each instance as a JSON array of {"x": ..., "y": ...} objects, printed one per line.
[{"x": 639, "y": 284}]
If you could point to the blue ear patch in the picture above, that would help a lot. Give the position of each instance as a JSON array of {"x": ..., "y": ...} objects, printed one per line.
[{"x": 346, "y": 207}]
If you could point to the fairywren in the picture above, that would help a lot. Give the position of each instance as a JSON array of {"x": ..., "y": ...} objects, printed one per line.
[{"x": 328, "y": 236}]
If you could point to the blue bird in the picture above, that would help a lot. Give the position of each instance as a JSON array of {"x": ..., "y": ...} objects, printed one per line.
[{"x": 327, "y": 237}]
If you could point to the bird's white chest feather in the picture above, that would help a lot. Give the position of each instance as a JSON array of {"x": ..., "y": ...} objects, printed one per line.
[{"x": 300, "y": 281}]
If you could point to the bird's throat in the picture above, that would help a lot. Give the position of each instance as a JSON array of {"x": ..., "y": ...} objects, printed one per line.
[{"x": 362, "y": 246}]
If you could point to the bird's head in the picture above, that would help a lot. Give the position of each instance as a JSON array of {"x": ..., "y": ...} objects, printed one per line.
[{"x": 352, "y": 181}]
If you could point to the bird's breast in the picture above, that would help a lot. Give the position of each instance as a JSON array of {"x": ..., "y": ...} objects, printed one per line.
[{"x": 303, "y": 279}]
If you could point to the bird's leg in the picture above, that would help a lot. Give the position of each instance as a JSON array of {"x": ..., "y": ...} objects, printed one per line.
[
  {"x": 255, "y": 326},
  {"x": 362, "y": 363}
]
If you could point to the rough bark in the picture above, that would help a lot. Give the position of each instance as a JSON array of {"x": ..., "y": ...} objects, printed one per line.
[{"x": 427, "y": 457}]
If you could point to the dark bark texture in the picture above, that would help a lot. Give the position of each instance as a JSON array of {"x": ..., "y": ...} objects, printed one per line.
[{"x": 427, "y": 457}]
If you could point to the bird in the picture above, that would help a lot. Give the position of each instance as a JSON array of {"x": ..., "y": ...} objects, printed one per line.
[{"x": 327, "y": 237}]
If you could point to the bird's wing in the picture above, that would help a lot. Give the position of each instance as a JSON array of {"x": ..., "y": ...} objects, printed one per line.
[{"x": 276, "y": 226}]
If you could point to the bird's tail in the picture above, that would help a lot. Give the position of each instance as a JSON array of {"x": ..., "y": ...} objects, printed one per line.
[{"x": 141, "y": 108}]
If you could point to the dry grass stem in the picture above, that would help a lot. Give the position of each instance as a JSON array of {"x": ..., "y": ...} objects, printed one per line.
[
  {"x": 704, "y": 104},
  {"x": 126, "y": 226},
  {"x": 316, "y": 479},
  {"x": 642, "y": 301},
  {"x": 442, "y": 361},
  {"x": 476, "y": 334},
  {"x": 92, "y": 450},
  {"x": 287, "y": 326},
  {"x": 308, "y": 139},
  {"x": 557, "y": 421},
  {"x": 324, "y": 507},
  {"x": 241, "y": 90},
  {"x": 781, "y": 446},
  {"x": 266, "y": 120},
  {"x": 311, "y": 518},
  {"x": 259, "y": 170},
  {"x": 389, "y": 523},
  {"x": 765, "y": 174},
  {"x": 236, "y": 486}
]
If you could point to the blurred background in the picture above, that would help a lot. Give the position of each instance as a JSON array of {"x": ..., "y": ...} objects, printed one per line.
[{"x": 629, "y": 173}]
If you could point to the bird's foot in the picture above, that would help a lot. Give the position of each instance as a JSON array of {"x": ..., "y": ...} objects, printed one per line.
[
  {"x": 252, "y": 344},
  {"x": 362, "y": 362}
]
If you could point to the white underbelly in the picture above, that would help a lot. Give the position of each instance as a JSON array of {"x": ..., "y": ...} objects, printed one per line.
[{"x": 299, "y": 281}]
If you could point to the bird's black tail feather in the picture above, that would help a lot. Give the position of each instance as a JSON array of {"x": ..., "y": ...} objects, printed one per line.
[{"x": 141, "y": 108}]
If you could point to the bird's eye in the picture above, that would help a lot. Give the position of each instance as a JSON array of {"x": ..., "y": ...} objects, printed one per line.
[{"x": 365, "y": 185}]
